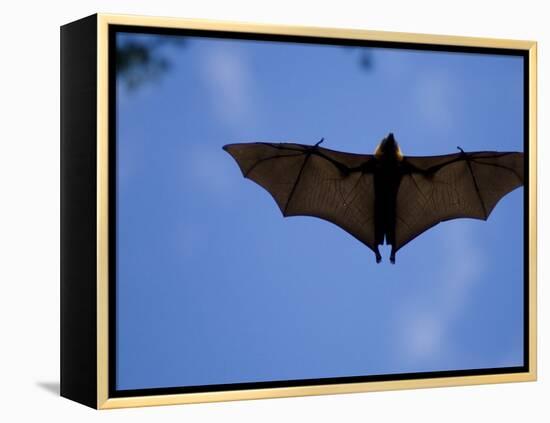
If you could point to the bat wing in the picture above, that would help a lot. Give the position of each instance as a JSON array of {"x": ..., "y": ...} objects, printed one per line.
[
  {"x": 313, "y": 181},
  {"x": 439, "y": 188}
]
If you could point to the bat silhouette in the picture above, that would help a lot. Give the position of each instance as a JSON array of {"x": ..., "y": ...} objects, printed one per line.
[{"x": 381, "y": 197}]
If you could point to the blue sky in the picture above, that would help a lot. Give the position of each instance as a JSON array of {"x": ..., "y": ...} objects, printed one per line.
[{"x": 215, "y": 286}]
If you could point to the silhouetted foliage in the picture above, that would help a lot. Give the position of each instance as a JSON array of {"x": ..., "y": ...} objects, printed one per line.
[
  {"x": 366, "y": 59},
  {"x": 142, "y": 60},
  {"x": 366, "y": 56}
]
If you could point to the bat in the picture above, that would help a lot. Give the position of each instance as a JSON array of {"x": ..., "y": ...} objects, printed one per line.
[{"x": 383, "y": 197}]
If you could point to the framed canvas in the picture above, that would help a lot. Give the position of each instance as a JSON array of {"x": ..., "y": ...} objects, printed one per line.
[{"x": 407, "y": 163}]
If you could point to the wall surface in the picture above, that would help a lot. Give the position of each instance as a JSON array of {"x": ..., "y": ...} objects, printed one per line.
[{"x": 29, "y": 223}]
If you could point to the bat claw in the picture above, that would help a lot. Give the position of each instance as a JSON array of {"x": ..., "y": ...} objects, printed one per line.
[{"x": 392, "y": 256}]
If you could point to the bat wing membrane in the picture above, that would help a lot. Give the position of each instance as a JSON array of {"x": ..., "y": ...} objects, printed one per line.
[
  {"x": 306, "y": 181},
  {"x": 434, "y": 189}
]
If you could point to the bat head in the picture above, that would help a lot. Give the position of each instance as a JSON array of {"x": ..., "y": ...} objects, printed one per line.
[{"x": 389, "y": 149}]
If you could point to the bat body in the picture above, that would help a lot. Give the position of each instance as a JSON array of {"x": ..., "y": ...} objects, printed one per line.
[
  {"x": 381, "y": 198},
  {"x": 386, "y": 174}
]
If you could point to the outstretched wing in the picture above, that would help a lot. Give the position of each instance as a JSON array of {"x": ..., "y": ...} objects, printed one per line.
[
  {"x": 313, "y": 181},
  {"x": 438, "y": 188}
]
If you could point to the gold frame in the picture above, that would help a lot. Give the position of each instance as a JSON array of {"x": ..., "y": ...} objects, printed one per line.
[{"x": 103, "y": 21}]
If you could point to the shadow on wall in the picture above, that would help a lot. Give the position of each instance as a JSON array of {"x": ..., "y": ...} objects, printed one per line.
[{"x": 51, "y": 387}]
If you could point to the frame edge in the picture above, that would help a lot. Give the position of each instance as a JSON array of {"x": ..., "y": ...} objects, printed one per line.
[
  {"x": 78, "y": 208},
  {"x": 533, "y": 186},
  {"x": 102, "y": 212}
]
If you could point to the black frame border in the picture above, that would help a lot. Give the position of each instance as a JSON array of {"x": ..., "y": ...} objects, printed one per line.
[{"x": 112, "y": 143}]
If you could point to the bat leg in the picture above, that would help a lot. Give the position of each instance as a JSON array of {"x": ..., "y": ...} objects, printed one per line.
[
  {"x": 392, "y": 255},
  {"x": 378, "y": 255}
]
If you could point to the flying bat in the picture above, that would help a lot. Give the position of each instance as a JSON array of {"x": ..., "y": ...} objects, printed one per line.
[{"x": 383, "y": 197}]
